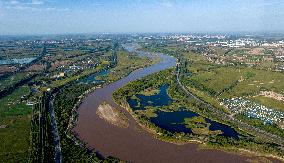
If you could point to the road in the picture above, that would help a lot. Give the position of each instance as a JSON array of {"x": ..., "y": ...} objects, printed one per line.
[
  {"x": 243, "y": 126},
  {"x": 56, "y": 137}
]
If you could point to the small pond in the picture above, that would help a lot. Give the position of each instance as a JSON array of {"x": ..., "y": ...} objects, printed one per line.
[
  {"x": 93, "y": 78},
  {"x": 17, "y": 61},
  {"x": 174, "y": 121},
  {"x": 160, "y": 99}
]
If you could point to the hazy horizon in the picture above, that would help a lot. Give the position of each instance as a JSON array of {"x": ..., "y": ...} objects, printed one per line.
[{"x": 33, "y": 17}]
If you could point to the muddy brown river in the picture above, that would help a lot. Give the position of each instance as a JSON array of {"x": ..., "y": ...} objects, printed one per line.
[{"x": 132, "y": 143}]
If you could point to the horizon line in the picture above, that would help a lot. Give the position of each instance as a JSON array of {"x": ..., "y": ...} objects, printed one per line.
[{"x": 141, "y": 33}]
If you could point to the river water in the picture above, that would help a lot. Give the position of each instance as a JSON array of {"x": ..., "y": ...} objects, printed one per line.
[
  {"x": 133, "y": 143},
  {"x": 17, "y": 61}
]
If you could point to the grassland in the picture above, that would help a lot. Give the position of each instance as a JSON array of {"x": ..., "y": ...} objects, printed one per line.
[
  {"x": 228, "y": 82},
  {"x": 199, "y": 126},
  {"x": 6, "y": 82},
  {"x": 212, "y": 82},
  {"x": 150, "y": 92},
  {"x": 269, "y": 102},
  {"x": 256, "y": 81},
  {"x": 15, "y": 118},
  {"x": 126, "y": 63}
]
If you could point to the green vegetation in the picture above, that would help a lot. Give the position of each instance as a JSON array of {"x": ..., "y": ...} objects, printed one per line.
[
  {"x": 126, "y": 63},
  {"x": 65, "y": 81},
  {"x": 271, "y": 128},
  {"x": 262, "y": 80},
  {"x": 269, "y": 102},
  {"x": 13, "y": 50},
  {"x": 64, "y": 104},
  {"x": 228, "y": 82},
  {"x": 213, "y": 82},
  {"x": 210, "y": 81},
  {"x": 25, "y": 131},
  {"x": 13, "y": 79},
  {"x": 198, "y": 125},
  {"x": 149, "y": 112},
  {"x": 202, "y": 76},
  {"x": 150, "y": 92},
  {"x": 15, "y": 118},
  {"x": 195, "y": 122},
  {"x": 133, "y": 88},
  {"x": 153, "y": 82},
  {"x": 41, "y": 144}
]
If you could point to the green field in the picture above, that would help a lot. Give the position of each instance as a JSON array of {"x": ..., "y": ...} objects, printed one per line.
[
  {"x": 228, "y": 82},
  {"x": 224, "y": 81},
  {"x": 217, "y": 80},
  {"x": 126, "y": 63},
  {"x": 7, "y": 82},
  {"x": 15, "y": 118},
  {"x": 259, "y": 80}
]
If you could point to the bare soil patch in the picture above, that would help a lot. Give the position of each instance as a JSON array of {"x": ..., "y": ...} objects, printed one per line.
[
  {"x": 112, "y": 115},
  {"x": 273, "y": 95}
]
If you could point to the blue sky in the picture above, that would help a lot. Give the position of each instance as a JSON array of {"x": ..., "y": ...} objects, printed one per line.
[{"x": 92, "y": 16}]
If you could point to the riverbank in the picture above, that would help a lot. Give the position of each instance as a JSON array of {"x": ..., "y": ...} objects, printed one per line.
[{"x": 243, "y": 152}]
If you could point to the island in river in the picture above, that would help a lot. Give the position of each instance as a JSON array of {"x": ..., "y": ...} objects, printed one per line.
[{"x": 112, "y": 115}]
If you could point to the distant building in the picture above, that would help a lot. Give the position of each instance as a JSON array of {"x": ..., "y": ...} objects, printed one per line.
[{"x": 61, "y": 74}]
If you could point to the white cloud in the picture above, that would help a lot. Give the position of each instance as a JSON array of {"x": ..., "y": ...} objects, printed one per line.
[
  {"x": 22, "y": 7},
  {"x": 97, "y": 4},
  {"x": 14, "y": 2},
  {"x": 36, "y": 2},
  {"x": 166, "y": 4},
  {"x": 22, "y": 3},
  {"x": 30, "y": 5},
  {"x": 36, "y": 9}
]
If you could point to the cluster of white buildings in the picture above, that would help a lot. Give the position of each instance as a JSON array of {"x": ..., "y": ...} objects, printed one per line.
[
  {"x": 234, "y": 43},
  {"x": 275, "y": 44},
  {"x": 184, "y": 37},
  {"x": 254, "y": 110}
]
